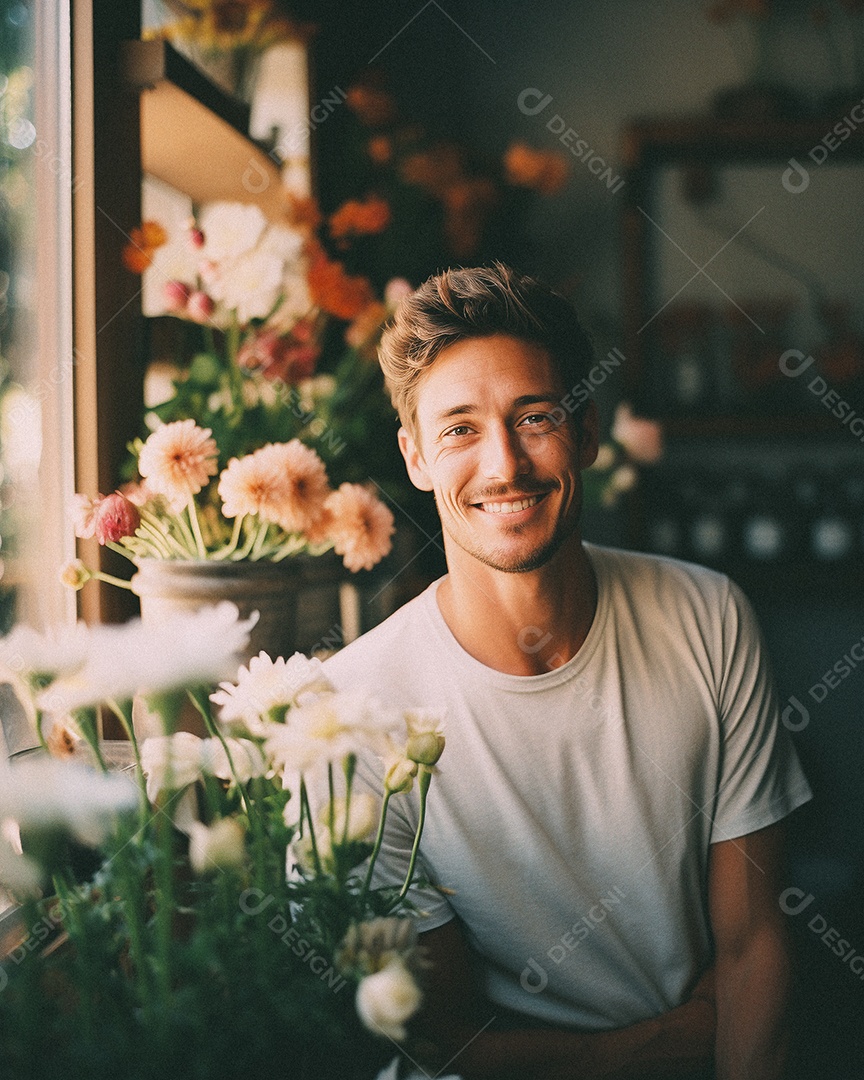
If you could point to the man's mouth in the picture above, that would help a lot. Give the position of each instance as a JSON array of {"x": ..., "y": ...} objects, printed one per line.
[{"x": 511, "y": 506}]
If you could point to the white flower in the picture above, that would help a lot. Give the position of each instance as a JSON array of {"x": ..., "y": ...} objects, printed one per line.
[
  {"x": 387, "y": 999},
  {"x": 362, "y": 817},
  {"x": 177, "y": 460},
  {"x": 642, "y": 439},
  {"x": 171, "y": 762},
  {"x": 268, "y": 687},
  {"x": 246, "y": 757},
  {"x": 230, "y": 229},
  {"x": 25, "y": 653},
  {"x": 217, "y": 847},
  {"x": 64, "y": 795},
  {"x": 286, "y": 244},
  {"x": 250, "y": 286},
  {"x": 185, "y": 649},
  {"x": 328, "y": 729},
  {"x": 399, "y": 770},
  {"x": 425, "y": 741}
]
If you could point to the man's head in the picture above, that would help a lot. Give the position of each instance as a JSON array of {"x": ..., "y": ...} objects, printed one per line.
[
  {"x": 485, "y": 373},
  {"x": 476, "y": 303}
]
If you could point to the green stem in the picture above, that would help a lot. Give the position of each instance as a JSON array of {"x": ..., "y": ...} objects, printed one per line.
[
  {"x": 379, "y": 839},
  {"x": 125, "y": 718},
  {"x": 305, "y": 811},
  {"x": 423, "y": 781},
  {"x": 243, "y": 552},
  {"x": 85, "y": 718},
  {"x": 109, "y": 579},
  {"x": 260, "y": 539},
  {"x": 196, "y": 528},
  {"x": 158, "y": 526},
  {"x": 349, "y": 765},
  {"x": 201, "y": 704},
  {"x": 231, "y": 546}
]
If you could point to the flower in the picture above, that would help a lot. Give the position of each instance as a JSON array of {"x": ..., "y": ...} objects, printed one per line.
[
  {"x": 266, "y": 689},
  {"x": 171, "y": 762},
  {"x": 335, "y": 291},
  {"x": 178, "y": 459},
  {"x": 18, "y": 873},
  {"x": 366, "y": 325},
  {"x": 246, "y": 762},
  {"x": 187, "y": 648},
  {"x": 363, "y": 814},
  {"x": 396, "y": 290},
  {"x": 65, "y": 796},
  {"x": 360, "y": 218},
  {"x": 425, "y": 741},
  {"x": 75, "y": 575},
  {"x": 542, "y": 170},
  {"x": 251, "y": 485},
  {"x": 641, "y": 439},
  {"x": 84, "y": 511},
  {"x": 305, "y": 487},
  {"x": 372, "y": 945},
  {"x": 230, "y": 229},
  {"x": 176, "y": 295},
  {"x": 387, "y": 999},
  {"x": 361, "y": 526},
  {"x": 220, "y": 846},
  {"x": 328, "y": 729},
  {"x": 116, "y": 517},
  {"x": 200, "y": 307},
  {"x": 251, "y": 285},
  {"x": 42, "y": 657},
  {"x": 399, "y": 769}
]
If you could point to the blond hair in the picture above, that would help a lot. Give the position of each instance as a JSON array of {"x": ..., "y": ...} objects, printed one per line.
[{"x": 459, "y": 304}]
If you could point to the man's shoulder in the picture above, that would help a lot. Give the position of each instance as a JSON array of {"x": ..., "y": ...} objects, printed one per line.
[
  {"x": 386, "y": 644},
  {"x": 641, "y": 578}
]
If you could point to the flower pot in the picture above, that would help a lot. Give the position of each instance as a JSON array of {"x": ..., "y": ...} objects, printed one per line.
[{"x": 272, "y": 589}]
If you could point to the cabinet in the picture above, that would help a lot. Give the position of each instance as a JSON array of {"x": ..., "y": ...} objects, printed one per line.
[{"x": 742, "y": 261}]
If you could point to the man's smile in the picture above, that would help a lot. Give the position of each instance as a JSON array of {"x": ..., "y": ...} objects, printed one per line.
[{"x": 510, "y": 506}]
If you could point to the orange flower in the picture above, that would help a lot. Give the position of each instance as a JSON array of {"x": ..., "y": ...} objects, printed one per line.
[
  {"x": 356, "y": 218},
  {"x": 143, "y": 241},
  {"x": 543, "y": 170},
  {"x": 303, "y": 210},
  {"x": 336, "y": 292},
  {"x": 361, "y": 527}
]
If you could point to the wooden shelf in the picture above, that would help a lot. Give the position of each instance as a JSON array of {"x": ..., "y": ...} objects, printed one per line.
[{"x": 193, "y": 134}]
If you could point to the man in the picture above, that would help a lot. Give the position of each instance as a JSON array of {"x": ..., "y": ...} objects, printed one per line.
[{"x": 603, "y": 841}]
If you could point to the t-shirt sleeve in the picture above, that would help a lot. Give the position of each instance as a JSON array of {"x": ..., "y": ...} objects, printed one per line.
[
  {"x": 761, "y": 780},
  {"x": 391, "y": 867}
]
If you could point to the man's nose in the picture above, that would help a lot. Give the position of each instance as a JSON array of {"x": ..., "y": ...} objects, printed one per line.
[{"x": 504, "y": 455}]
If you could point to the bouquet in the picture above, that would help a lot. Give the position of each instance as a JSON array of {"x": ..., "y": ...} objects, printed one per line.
[
  {"x": 162, "y": 934},
  {"x": 269, "y": 504},
  {"x": 634, "y": 442}
]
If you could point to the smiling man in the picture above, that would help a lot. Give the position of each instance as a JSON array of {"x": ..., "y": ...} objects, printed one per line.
[{"x": 602, "y": 850}]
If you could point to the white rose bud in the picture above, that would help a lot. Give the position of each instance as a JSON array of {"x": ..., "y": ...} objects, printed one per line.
[
  {"x": 425, "y": 748},
  {"x": 387, "y": 999},
  {"x": 218, "y": 847},
  {"x": 400, "y": 774}
]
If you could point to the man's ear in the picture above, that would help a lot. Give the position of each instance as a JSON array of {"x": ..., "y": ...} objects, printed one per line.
[
  {"x": 414, "y": 462},
  {"x": 589, "y": 435}
]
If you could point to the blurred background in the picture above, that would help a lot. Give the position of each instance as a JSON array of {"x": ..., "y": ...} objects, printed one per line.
[{"x": 688, "y": 173}]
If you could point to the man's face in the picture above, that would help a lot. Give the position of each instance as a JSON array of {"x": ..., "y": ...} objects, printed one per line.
[{"x": 493, "y": 445}]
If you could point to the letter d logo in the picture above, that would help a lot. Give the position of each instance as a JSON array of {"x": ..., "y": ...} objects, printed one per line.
[
  {"x": 794, "y": 370},
  {"x": 796, "y": 178},
  {"x": 525, "y": 978},
  {"x": 795, "y": 715},
  {"x": 793, "y": 901},
  {"x": 528, "y": 103}
]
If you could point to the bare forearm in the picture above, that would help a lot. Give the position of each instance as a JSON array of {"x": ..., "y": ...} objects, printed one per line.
[
  {"x": 752, "y": 1011},
  {"x": 672, "y": 1045}
]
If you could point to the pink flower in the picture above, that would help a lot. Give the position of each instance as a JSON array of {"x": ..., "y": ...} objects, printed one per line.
[
  {"x": 305, "y": 488},
  {"x": 178, "y": 460},
  {"x": 175, "y": 295},
  {"x": 641, "y": 439},
  {"x": 116, "y": 517},
  {"x": 196, "y": 237},
  {"x": 252, "y": 485},
  {"x": 290, "y": 358},
  {"x": 84, "y": 514},
  {"x": 397, "y": 289},
  {"x": 200, "y": 307},
  {"x": 361, "y": 527}
]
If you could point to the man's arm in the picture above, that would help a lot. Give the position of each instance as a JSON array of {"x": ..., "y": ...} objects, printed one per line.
[
  {"x": 752, "y": 955},
  {"x": 454, "y": 1031}
]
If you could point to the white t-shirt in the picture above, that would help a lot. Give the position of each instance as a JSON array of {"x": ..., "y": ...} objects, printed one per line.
[{"x": 573, "y": 810}]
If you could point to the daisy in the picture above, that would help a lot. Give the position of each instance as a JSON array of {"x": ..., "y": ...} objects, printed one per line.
[
  {"x": 177, "y": 460},
  {"x": 305, "y": 486},
  {"x": 362, "y": 527},
  {"x": 252, "y": 485},
  {"x": 266, "y": 688}
]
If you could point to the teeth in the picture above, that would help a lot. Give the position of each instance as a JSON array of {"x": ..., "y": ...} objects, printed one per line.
[{"x": 510, "y": 507}]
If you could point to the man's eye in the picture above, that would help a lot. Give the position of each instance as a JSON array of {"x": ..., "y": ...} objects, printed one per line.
[
  {"x": 537, "y": 420},
  {"x": 460, "y": 429}
]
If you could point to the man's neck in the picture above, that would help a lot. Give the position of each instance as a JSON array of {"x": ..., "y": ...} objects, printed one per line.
[{"x": 521, "y": 623}]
